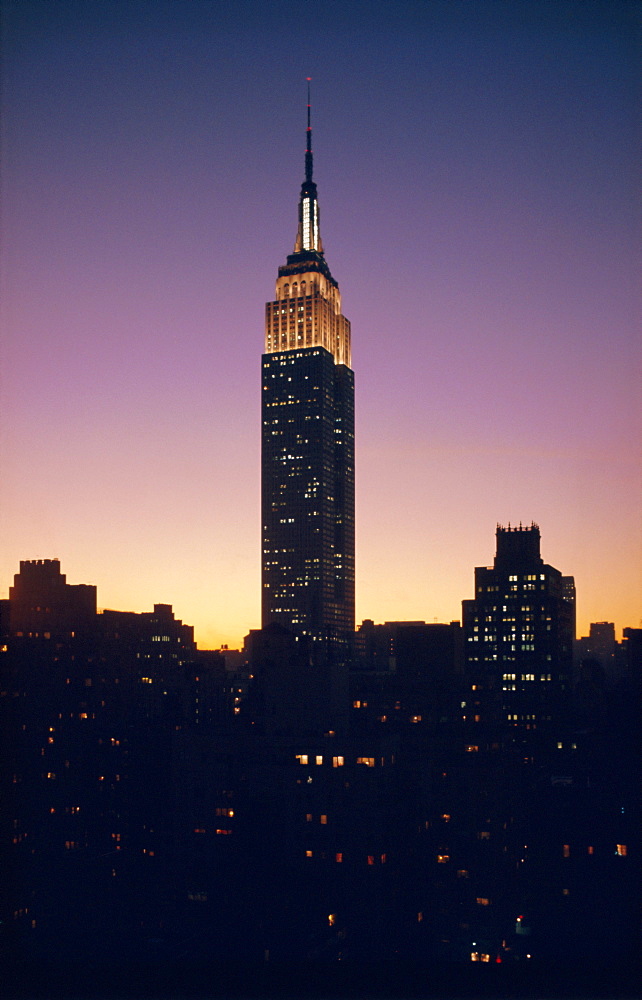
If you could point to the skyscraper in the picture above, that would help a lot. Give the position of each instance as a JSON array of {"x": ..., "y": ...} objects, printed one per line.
[
  {"x": 308, "y": 440},
  {"x": 519, "y": 633}
]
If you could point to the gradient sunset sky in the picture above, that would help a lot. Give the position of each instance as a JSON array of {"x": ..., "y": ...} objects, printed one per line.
[{"x": 478, "y": 173}]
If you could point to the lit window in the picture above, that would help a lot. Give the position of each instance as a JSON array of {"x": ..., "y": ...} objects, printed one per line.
[
  {"x": 620, "y": 849},
  {"x": 323, "y": 819},
  {"x": 483, "y": 901},
  {"x": 566, "y": 850},
  {"x": 442, "y": 859},
  {"x": 308, "y": 854},
  {"x": 302, "y": 758},
  {"x": 338, "y": 761}
]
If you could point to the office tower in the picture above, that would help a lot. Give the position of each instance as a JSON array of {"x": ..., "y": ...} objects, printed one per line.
[
  {"x": 308, "y": 441},
  {"x": 406, "y": 674},
  {"x": 599, "y": 645},
  {"x": 519, "y": 635},
  {"x": 42, "y": 603}
]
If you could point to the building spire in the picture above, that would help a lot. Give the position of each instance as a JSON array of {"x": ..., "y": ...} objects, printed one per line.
[{"x": 308, "y": 237}]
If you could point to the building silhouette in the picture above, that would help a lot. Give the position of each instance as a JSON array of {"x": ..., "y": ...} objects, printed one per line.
[
  {"x": 159, "y": 816},
  {"x": 519, "y": 633},
  {"x": 308, "y": 441},
  {"x": 43, "y": 604},
  {"x": 406, "y": 675}
]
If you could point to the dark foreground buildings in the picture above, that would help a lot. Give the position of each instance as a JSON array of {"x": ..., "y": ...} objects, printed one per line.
[{"x": 165, "y": 813}]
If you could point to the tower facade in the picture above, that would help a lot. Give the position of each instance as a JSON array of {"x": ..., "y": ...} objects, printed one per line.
[
  {"x": 307, "y": 457},
  {"x": 519, "y": 632}
]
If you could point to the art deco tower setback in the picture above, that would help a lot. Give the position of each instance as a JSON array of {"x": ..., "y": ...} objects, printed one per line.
[{"x": 308, "y": 440}]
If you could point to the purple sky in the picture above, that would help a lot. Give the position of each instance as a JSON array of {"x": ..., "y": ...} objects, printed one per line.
[{"x": 478, "y": 174}]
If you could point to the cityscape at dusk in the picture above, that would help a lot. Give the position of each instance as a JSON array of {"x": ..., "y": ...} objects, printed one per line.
[
  {"x": 478, "y": 171},
  {"x": 320, "y": 642}
]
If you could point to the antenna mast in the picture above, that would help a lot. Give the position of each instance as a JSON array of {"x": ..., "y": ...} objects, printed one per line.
[{"x": 308, "y": 141}]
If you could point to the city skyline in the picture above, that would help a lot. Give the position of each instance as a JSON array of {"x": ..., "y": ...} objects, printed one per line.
[{"x": 481, "y": 210}]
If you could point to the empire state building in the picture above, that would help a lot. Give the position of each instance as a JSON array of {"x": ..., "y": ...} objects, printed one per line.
[{"x": 308, "y": 440}]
